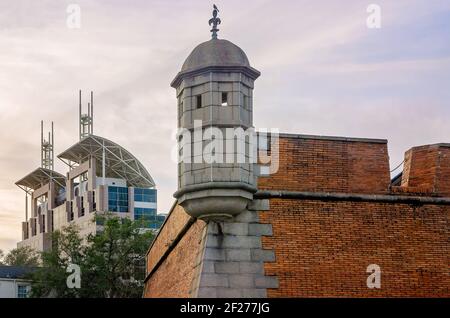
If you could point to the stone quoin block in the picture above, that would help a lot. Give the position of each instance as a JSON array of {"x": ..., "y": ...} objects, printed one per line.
[
  {"x": 263, "y": 255},
  {"x": 259, "y": 205},
  {"x": 233, "y": 241},
  {"x": 247, "y": 216},
  {"x": 266, "y": 282},
  {"x": 208, "y": 266},
  {"x": 241, "y": 281},
  {"x": 235, "y": 228},
  {"x": 228, "y": 292},
  {"x": 254, "y": 293},
  {"x": 207, "y": 292},
  {"x": 226, "y": 267},
  {"x": 214, "y": 254},
  {"x": 251, "y": 267},
  {"x": 214, "y": 280},
  {"x": 238, "y": 254},
  {"x": 260, "y": 229}
]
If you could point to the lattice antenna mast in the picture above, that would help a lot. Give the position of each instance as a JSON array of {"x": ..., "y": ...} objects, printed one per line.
[
  {"x": 86, "y": 120},
  {"x": 47, "y": 153}
]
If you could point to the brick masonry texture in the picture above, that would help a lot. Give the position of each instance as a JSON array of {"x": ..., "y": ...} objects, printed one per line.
[
  {"x": 322, "y": 249},
  {"x": 427, "y": 168},
  {"x": 175, "y": 275},
  {"x": 317, "y": 248},
  {"x": 330, "y": 166},
  {"x": 174, "y": 223}
]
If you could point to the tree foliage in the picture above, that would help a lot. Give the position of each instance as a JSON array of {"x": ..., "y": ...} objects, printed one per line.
[
  {"x": 111, "y": 262},
  {"x": 50, "y": 279},
  {"x": 21, "y": 256}
]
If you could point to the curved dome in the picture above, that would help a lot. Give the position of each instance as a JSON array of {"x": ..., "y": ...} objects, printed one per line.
[
  {"x": 215, "y": 52},
  {"x": 120, "y": 163}
]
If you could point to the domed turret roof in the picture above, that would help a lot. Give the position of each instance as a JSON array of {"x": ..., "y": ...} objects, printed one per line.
[
  {"x": 215, "y": 55},
  {"x": 215, "y": 52}
]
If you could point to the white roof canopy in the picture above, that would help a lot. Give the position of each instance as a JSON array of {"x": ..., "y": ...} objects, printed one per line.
[
  {"x": 119, "y": 163},
  {"x": 40, "y": 177}
]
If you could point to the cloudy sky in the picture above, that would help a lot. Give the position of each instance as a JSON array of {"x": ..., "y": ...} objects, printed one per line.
[{"x": 323, "y": 72}]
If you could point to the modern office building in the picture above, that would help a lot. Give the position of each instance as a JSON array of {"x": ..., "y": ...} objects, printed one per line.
[{"x": 102, "y": 177}]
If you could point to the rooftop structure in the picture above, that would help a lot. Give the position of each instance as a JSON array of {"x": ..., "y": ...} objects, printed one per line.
[
  {"x": 113, "y": 160},
  {"x": 102, "y": 177}
]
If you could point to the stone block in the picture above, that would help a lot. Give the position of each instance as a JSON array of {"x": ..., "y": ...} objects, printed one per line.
[
  {"x": 207, "y": 292},
  {"x": 214, "y": 280},
  {"x": 262, "y": 255},
  {"x": 235, "y": 228},
  {"x": 260, "y": 229},
  {"x": 216, "y": 254},
  {"x": 237, "y": 241},
  {"x": 241, "y": 281},
  {"x": 229, "y": 292},
  {"x": 226, "y": 267},
  {"x": 247, "y": 216},
  {"x": 259, "y": 205},
  {"x": 238, "y": 254},
  {"x": 251, "y": 267},
  {"x": 266, "y": 282},
  {"x": 254, "y": 293},
  {"x": 208, "y": 267}
]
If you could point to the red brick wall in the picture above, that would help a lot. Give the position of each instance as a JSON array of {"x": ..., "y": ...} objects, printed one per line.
[
  {"x": 443, "y": 179},
  {"x": 428, "y": 167},
  {"x": 173, "y": 225},
  {"x": 324, "y": 248},
  {"x": 174, "y": 277},
  {"x": 420, "y": 164},
  {"x": 330, "y": 166}
]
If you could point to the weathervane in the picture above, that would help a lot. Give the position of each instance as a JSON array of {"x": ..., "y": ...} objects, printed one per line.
[{"x": 214, "y": 21}]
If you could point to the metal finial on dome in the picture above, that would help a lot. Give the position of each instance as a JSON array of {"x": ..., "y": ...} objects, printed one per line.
[{"x": 214, "y": 21}]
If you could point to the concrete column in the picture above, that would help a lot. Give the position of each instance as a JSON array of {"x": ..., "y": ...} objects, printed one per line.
[
  {"x": 92, "y": 174},
  {"x": 51, "y": 196},
  {"x": 131, "y": 201},
  {"x": 69, "y": 188}
]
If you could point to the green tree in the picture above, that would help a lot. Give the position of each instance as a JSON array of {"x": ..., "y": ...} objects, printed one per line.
[
  {"x": 50, "y": 280},
  {"x": 111, "y": 262},
  {"x": 116, "y": 257},
  {"x": 22, "y": 256},
  {"x": 1, "y": 257}
]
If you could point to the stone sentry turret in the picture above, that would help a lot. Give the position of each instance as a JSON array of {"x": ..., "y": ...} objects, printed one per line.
[{"x": 214, "y": 90}]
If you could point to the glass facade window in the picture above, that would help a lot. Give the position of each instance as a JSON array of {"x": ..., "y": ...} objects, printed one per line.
[
  {"x": 144, "y": 195},
  {"x": 149, "y": 216},
  {"x": 144, "y": 213},
  {"x": 118, "y": 199},
  {"x": 22, "y": 291}
]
